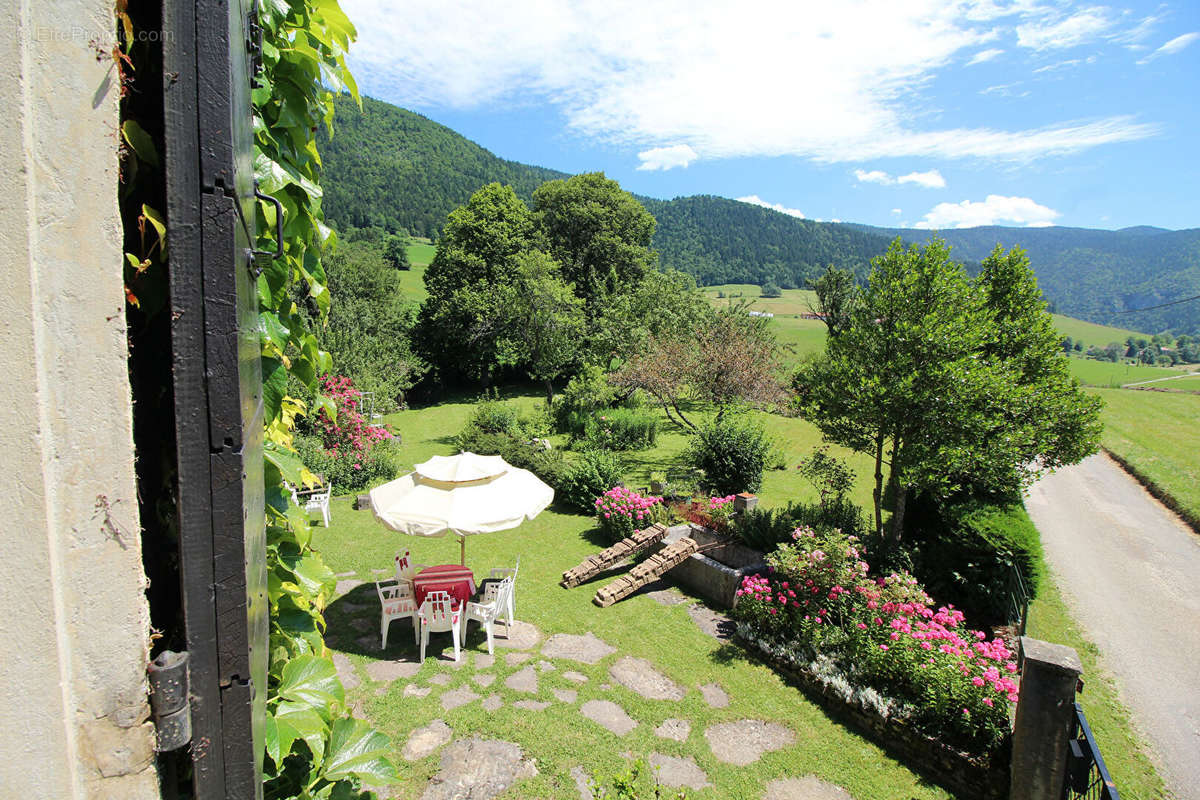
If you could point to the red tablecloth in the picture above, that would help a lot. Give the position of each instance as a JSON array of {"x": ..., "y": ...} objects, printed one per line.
[{"x": 455, "y": 580}]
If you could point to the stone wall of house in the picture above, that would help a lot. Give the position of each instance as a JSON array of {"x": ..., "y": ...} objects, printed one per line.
[{"x": 75, "y": 632}]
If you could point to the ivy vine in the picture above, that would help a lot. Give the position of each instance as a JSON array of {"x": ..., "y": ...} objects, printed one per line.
[{"x": 313, "y": 749}]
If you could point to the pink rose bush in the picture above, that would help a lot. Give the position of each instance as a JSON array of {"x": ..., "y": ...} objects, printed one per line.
[
  {"x": 884, "y": 634},
  {"x": 346, "y": 450},
  {"x": 622, "y": 511}
]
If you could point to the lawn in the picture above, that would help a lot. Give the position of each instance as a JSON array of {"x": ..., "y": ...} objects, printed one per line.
[
  {"x": 1157, "y": 433},
  {"x": 560, "y": 737}
]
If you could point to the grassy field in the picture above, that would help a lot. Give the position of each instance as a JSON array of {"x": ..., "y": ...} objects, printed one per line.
[
  {"x": 639, "y": 626},
  {"x": 1107, "y": 374},
  {"x": 1159, "y": 435},
  {"x": 1092, "y": 333},
  {"x": 1123, "y": 750},
  {"x": 1190, "y": 383}
]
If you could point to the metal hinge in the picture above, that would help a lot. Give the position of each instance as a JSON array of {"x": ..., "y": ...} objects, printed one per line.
[
  {"x": 254, "y": 37},
  {"x": 169, "y": 706}
]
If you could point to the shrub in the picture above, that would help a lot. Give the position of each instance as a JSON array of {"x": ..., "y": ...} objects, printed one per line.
[
  {"x": 548, "y": 465},
  {"x": 621, "y": 511},
  {"x": 771, "y": 289},
  {"x": 965, "y": 550},
  {"x": 347, "y": 470},
  {"x": 732, "y": 453},
  {"x": 492, "y": 416},
  {"x": 588, "y": 477},
  {"x": 711, "y": 512},
  {"x": 763, "y": 529},
  {"x": 621, "y": 429},
  {"x": 586, "y": 393},
  {"x": 883, "y": 634}
]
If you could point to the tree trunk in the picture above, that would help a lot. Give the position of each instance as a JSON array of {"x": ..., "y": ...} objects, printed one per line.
[
  {"x": 879, "y": 486},
  {"x": 549, "y": 392},
  {"x": 901, "y": 493}
]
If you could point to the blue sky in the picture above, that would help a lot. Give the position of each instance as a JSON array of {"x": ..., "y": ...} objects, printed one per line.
[{"x": 906, "y": 113}]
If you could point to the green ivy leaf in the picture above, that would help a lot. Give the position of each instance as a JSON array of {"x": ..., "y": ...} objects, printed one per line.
[
  {"x": 355, "y": 750},
  {"x": 297, "y": 721},
  {"x": 288, "y": 463},
  {"x": 312, "y": 680},
  {"x": 139, "y": 141},
  {"x": 274, "y": 377}
]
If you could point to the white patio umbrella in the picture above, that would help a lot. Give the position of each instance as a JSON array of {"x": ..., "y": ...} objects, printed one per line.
[{"x": 466, "y": 494}]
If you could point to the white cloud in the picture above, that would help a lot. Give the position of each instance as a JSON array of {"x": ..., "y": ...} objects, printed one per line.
[
  {"x": 897, "y": 211},
  {"x": 874, "y": 176},
  {"x": 819, "y": 81},
  {"x": 929, "y": 180},
  {"x": 755, "y": 200},
  {"x": 1172, "y": 47},
  {"x": 1060, "y": 31},
  {"x": 995, "y": 210},
  {"x": 677, "y": 155},
  {"x": 983, "y": 55}
]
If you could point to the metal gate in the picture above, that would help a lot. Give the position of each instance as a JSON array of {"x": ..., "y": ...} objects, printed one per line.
[
  {"x": 1087, "y": 777},
  {"x": 218, "y": 388}
]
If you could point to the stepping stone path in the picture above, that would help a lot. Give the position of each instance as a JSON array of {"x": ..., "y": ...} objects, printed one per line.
[
  {"x": 458, "y": 697},
  {"x": 639, "y": 675},
  {"x": 388, "y": 671},
  {"x": 345, "y": 671},
  {"x": 610, "y": 715},
  {"x": 484, "y": 679},
  {"x": 344, "y": 574},
  {"x": 513, "y": 659},
  {"x": 424, "y": 741},
  {"x": 545, "y": 666},
  {"x": 714, "y": 623},
  {"x": 677, "y": 729},
  {"x": 484, "y": 661},
  {"x": 806, "y": 788},
  {"x": 524, "y": 681},
  {"x": 575, "y": 677},
  {"x": 368, "y": 641},
  {"x": 587, "y": 649},
  {"x": 532, "y": 705},
  {"x": 667, "y": 595},
  {"x": 412, "y": 690},
  {"x": 362, "y": 625},
  {"x": 565, "y": 695},
  {"x": 744, "y": 742},
  {"x": 478, "y": 769},
  {"x": 344, "y": 586},
  {"x": 492, "y": 702},
  {"x": 581, "y": 782},
  {"x": 441, "y": 679},
  {"x": 519, "y": 636},
  {"x": 675, "y": 771},
  {"x": 714, "y": 695}
]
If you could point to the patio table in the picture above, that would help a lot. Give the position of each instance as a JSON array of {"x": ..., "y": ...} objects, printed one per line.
[{"x": 455, "y": 580}]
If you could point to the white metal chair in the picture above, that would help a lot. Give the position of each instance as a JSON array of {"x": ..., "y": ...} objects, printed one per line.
[
  {"x": 507, "y": 572},
  {"x": 437, "y": 614},
  {"x": 495, "y": 602},
  {"x": 313, "y": 500},
  {"x": 396, "y": 601}
]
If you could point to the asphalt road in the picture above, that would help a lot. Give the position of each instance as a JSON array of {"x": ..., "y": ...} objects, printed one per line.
[{"x": 1130, "y": 571}]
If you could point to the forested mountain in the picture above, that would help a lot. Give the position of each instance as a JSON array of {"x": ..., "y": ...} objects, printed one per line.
[
  {"x": 1096, "y": 274},
  {"x": 391, "y": 168},
  {"x": 394, "y": 169}
]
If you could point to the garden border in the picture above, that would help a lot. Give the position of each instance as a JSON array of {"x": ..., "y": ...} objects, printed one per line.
[{"x": 963, "y": 774}]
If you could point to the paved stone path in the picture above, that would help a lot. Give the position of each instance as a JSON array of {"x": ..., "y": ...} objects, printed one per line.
[{"x": 479, "y": 768}]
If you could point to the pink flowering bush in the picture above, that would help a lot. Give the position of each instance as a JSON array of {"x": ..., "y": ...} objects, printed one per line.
[
  {"x": 885, "y": 634},
  {"x": 711, "y": 512},
  {"x": 347, "y": 450},
  {"x": 622, "y": 511}
]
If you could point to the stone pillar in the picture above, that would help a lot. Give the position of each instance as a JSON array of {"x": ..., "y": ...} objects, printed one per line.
[{"x": 1049, "y": 675}]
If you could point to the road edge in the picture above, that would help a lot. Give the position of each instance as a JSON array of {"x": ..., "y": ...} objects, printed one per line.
[{"x": 1156, "y": 491}]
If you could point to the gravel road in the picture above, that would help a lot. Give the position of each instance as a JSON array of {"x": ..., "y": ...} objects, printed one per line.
[{"x": 1130, "y": 571}]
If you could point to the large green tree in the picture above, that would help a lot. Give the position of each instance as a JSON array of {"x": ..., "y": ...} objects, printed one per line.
[
  {"x": 464, "y": 323},
  {"x": 598, "y": 232},
  {"x": 547, "y": 312},
  {"x": 950, "y": 383}
]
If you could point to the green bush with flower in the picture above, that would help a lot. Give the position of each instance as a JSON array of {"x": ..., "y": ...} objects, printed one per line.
[
  {"x": 621, "y": 511},
  {"x": 818, "y": 604}
]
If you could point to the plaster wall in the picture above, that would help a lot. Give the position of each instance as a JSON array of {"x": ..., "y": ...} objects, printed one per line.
[{"x": 75, "y": 632}]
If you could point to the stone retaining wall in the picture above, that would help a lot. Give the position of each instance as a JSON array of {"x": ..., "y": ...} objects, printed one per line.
[
  {"x": 962, "y": 773},
  {"x": 716, "y": 574}
]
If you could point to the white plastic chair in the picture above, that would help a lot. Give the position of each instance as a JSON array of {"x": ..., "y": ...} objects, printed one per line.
[
  {"x": 437, "y": 614},
  {"x": 313, "y": 499},
  {"x": 396, "y": 602},
  {"x": 495, "y": 602},
  {"x": 507, "y": 572},
  {"x": 406, "y": 569}
]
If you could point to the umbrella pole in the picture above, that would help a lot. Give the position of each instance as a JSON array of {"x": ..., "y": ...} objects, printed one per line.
[{"x": 462, "y": 551}]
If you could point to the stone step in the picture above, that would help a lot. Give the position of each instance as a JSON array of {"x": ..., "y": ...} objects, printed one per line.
[
  {"x": 593, "y": 565},
  {"x": 646, "y": 572}
]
